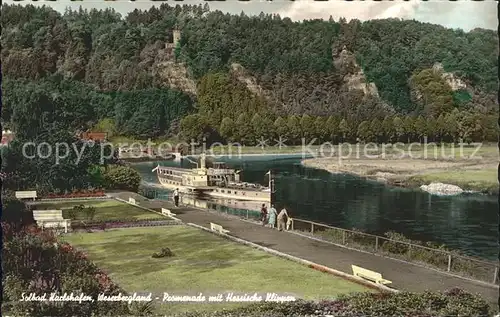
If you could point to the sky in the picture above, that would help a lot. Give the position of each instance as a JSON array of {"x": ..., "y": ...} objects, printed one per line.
[{"x": 464, "y": 14}]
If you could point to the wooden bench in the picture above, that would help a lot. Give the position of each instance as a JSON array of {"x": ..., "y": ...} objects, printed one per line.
[
  {"x": 26, "y": 194},
  {"x": 132, "y": 201},
  {"x": 50, "y": 219},
  {"x": 369, "y": 275},
  {"x": 217, "y": 228},
  {"x": 167, "y": 212}
]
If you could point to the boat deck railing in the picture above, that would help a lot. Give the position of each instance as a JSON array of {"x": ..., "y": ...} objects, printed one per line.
[
  {"x": 249, "y": 186},
  {"x": 220, "y": 171}
]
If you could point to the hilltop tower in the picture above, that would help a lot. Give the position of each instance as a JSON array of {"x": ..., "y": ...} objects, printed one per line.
[
  {"x": 170, "y": 47},
  {"x": 176, "y": 36}
]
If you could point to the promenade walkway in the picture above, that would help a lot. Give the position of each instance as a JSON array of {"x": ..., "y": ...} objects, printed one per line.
[{"x": 405, "y": 276}]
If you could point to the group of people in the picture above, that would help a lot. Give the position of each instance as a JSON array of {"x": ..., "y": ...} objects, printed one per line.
[{"x": 269, "y": 217}]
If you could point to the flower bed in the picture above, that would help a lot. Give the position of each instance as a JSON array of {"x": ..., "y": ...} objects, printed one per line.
[
  {"x": 82, "y": 194},
  {"x": 124, "y": 223}
]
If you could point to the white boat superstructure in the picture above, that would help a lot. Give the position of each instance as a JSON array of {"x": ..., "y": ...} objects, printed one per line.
[{"x": 218, "y": 181}]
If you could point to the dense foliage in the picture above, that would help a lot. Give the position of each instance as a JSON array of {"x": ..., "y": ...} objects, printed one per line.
[
  {"x": 251, "y": 129},
  {"x": 29, "y": 105},
  {"x": 122, "y": 177},
  {"x": 14, "y": 212},
  {"x": 97, "y": 70},
  {"x": 38, "y": 167},
  {"x": 454, "y": 302}
]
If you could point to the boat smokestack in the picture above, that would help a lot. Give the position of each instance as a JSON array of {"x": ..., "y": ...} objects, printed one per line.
[{"x": 203, "y": 161}]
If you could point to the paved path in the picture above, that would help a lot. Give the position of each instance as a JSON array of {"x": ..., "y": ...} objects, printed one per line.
[{"x": 404, "y": 276}]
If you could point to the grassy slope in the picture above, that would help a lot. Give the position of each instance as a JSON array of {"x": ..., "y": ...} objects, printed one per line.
[{"x": 202, "y": 263}]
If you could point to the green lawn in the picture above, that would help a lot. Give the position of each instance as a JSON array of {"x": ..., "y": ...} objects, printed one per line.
[
  {"x": 105, "y": 209},
  {"x": 202, "y": 263}
]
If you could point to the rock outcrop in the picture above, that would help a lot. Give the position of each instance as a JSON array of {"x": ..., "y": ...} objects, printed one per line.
[
  {"x": 355, "y": 77},
  {"x": 441, "y": 189},
  {"x": 452, "y": 80},
  {"x": 243, "y": 76},
  {"x": 175, "y": 75}
]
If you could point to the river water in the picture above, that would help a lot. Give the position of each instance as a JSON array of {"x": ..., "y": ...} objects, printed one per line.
[{"x": 466, "y": 222}]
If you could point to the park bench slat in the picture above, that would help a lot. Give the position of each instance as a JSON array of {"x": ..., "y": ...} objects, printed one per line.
[
  {"x": 50, "y": 219},
  {"x": 217, "y": 228},
  {"x": 369, "y": 275},
  {"x": 26, "y": 194},
  {"x": 167, "y": 212}
]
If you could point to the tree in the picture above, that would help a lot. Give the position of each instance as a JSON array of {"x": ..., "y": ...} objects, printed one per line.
[
  {"x": 228, "y": 129},
  {"x": 244, "y": 129},
  {"x": 106, "y": 125},
  {"x": 364, "y": 132},
  {"x": 440, "y": 128},
  {"x": 294, "y": 129},
  {"x": 320, "y": 130},
  {"x": 399, "y": 129},
  {"x": 281, "y": 128},
  {"x": 123, "y": 178},
  {"x": 452, "y": 126},
  {"x": 420, "y": 128},
  {"x": 409, "y": 129},
  {"x": 260, "y": 128},
  {"x": 431, "y": 128},
  {"x": 195, "y": 128},
  {"x": 343, "y": 129},
  {"x": 332, "y": 128},
  {"x": 469, "y": 128},
  {"x": 431, "y": 91},
  {"x": 376, "y": 129},
  {"x": 268, "y": 128},
  {"x": 307, "y": 128},
  {"x": 388, "y": 129}
]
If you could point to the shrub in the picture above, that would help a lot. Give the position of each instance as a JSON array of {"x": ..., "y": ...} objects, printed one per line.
[
  {"x": 15, "y": 211},
  {"x": 122, "y": 177},
  {"x": 393, "y": 246},
  {"x": 165, "y": 252},
  {"x": 89, "y": 212},
  {"x": 73, "y": 212},
  {"x": 427, "y": 304}
]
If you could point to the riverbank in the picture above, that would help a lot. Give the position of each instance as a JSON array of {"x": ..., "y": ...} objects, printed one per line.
[
  {"x": 471, "y": 169},
  {"x": 217, "y": 153}
]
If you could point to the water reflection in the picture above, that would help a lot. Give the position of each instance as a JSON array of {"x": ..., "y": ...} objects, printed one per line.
[{"x": 467, "y": 222}]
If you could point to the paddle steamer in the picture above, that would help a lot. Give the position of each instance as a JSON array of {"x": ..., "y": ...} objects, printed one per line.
[{"x": 218, "y": 181}]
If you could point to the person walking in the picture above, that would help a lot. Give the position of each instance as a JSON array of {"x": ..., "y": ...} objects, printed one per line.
[
  {"x": 176, "y": 197},
  {"x": 282, "y": 218},
  {"x": 289, "y": 223},
  {"x": 272, "y": 217},
  {"x": 263, "y": 214}
]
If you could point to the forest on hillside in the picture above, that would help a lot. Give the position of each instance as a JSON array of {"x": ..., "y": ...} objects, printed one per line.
[{"x": 254, "y": 76}]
